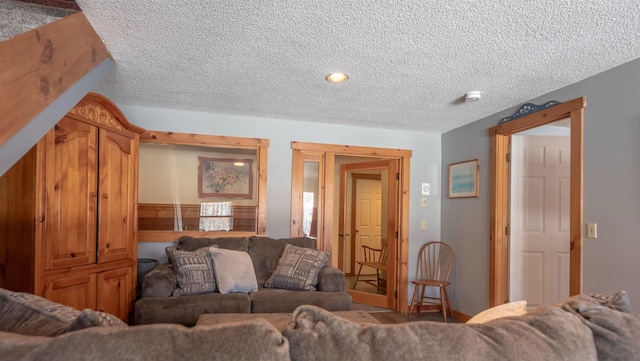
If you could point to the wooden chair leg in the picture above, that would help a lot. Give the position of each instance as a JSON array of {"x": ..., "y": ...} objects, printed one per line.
[
  {"x": 443, "y": 303},
  {"x": 421, "y": 301},
  {"x": 446, "y": 296},
  {"x": 413, "y": 301},
  {"x": 357, "y": 278}
]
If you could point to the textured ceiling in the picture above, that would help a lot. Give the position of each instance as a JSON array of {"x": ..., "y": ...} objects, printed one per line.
[{"x": 409, "y": 62}]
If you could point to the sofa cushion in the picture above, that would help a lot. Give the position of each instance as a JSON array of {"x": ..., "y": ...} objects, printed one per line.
[
  {"x": 234, "y": 271},
  {"x": 159, "y": 282},
  {"x": 298, "y": 269},
  {"x": 551, "y": 334},
  {"x": 517, "y": 308},
  {"x": 90, "y": 318},
  {"x": 269, "y": 300},
  {"x": 256, "y": 340},
  {"x": 194, "y": 271},
  {"x": 615, "y": 333},
  {"x": 185, "y": 310},
  {"x": 188, "y": 243},
  {"x": 265, "y": 252},
  {"x": 15, "y": 346},
  {"x": 331, "y": 279},
  {"x": 29, "y": 314}
]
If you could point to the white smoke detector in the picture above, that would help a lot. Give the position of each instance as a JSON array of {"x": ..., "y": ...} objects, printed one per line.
[{"x": 472, "y": 96}]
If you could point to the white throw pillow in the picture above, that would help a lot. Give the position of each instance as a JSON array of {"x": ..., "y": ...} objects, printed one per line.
[
  {"x": 234, "y": 271},
  {"x": 516, "y": 308}
]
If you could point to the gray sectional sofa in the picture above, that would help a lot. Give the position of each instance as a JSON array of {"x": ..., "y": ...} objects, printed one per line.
[
  {"x": 581, "y": 328},
  {"x": 159, "y": 304}
]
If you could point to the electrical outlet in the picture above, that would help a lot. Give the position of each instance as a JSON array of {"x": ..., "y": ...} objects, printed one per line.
[
  {"x": 592, "y": 230},
  {"x": 424, "y": 202},
  {"x": 424, "y": 225}
]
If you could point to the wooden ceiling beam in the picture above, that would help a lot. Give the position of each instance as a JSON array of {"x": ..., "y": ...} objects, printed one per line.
[{"x": 39, "y": 65}]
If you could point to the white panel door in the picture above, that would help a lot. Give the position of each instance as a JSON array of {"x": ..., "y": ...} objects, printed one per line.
[
  {"x": 368, "y": 217},
  {"x": 539, "y": 242}
]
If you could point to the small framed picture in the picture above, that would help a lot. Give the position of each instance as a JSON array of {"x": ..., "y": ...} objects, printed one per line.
[
  {"x": 464, "y": 179},
  {"x": 225, "y": 178}
]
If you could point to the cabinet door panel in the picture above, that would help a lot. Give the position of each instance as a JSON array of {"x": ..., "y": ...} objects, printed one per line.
[
  {"x": 78, "y": 292},
  {"x": 116, "y": 190},
  {"x": 71, "y": 194},
  {"x": 114, "y": 292}
]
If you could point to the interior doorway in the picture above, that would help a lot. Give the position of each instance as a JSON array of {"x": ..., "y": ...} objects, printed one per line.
[
  {"x": 364, "y": 219},
  {"x": 539, "y": 241},
  {"x": 499, "y": 186},
  {"x": 368, "y": 209},
  {"x": 330, "y": 231}
]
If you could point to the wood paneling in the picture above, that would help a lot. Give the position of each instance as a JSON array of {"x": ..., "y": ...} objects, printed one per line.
[
  {"x": 71, "y": 185},
  {"x": 116, "y": 192},
  {"x": 115, "y": 292},
  {"x": 17, "y": 207},
  {"x": 78, "y": 291},
  {"x": 161, "y": 217}
]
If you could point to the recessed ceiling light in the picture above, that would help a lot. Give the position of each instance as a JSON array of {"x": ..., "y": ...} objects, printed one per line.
[
  {"x": 337, "y": 78},
  {"x": 472, "y": 96}
]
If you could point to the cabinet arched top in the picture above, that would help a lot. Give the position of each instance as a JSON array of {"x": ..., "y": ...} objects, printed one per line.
[{"x": 97, "y": 109}]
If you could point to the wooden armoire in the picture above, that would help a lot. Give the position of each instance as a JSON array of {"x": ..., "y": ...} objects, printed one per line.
[{"x": 68, "y": 223}]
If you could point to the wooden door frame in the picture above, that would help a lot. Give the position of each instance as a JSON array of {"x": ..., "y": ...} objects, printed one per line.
[
  {"x": 328, "y": 228},
  {"x": 499, "y": 201}
]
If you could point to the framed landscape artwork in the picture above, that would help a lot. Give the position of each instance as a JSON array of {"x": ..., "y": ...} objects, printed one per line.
[
  {"x": 464, "y": 179},
  {"x": 225, "y": 178}
]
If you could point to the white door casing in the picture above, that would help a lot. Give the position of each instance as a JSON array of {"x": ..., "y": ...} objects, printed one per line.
[{"x": 540, "y": 218}]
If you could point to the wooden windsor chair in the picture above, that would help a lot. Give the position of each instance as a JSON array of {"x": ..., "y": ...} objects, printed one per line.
[{"x": 435, "y": 261}]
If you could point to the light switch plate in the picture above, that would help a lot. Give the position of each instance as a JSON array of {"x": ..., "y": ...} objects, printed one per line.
[
  {"x": 424, "y": 201},
  {"x": 592, "y": 230},
  {"x": 424, "y": 225},
  {"x": 426, "y": 189}
]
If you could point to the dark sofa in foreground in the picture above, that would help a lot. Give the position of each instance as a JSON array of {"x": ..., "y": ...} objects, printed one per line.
[
  {"x": 581, "y": 328},
  {"x": 160, "y": 304}
]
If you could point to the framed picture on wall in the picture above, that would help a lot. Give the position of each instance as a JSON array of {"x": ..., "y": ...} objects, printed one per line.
[
  {"x": 464, "y": 179},
  {"x": 225, "y": 178}
]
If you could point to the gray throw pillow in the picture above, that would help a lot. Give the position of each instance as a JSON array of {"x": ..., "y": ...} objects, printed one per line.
[
  {"x": 29, "y": 314},
  {"x": 298, "y": 269},
  {"x": 615, "y": 333},
  {"x": 234, "y": 271},
  {"x": 194, "y": 271},
  {"x": 618, "y": 301},
  {"x": 90, "y": 318}
]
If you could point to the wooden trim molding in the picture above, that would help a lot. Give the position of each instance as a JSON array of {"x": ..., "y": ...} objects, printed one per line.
[
  {"x": 153, "y": 136},
  {"x": 499, "y": 201},
  {"x": 39, "y": 65},
  {"x": 98, "y": 110}
]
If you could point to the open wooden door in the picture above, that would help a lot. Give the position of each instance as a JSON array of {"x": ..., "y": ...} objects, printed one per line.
[{"x": 367, "y": 218}]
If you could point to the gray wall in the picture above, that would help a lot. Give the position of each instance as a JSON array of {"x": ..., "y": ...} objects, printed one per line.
[
  {"x": 425, "y": 162},
  {"x": 611, "y": 190}
]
